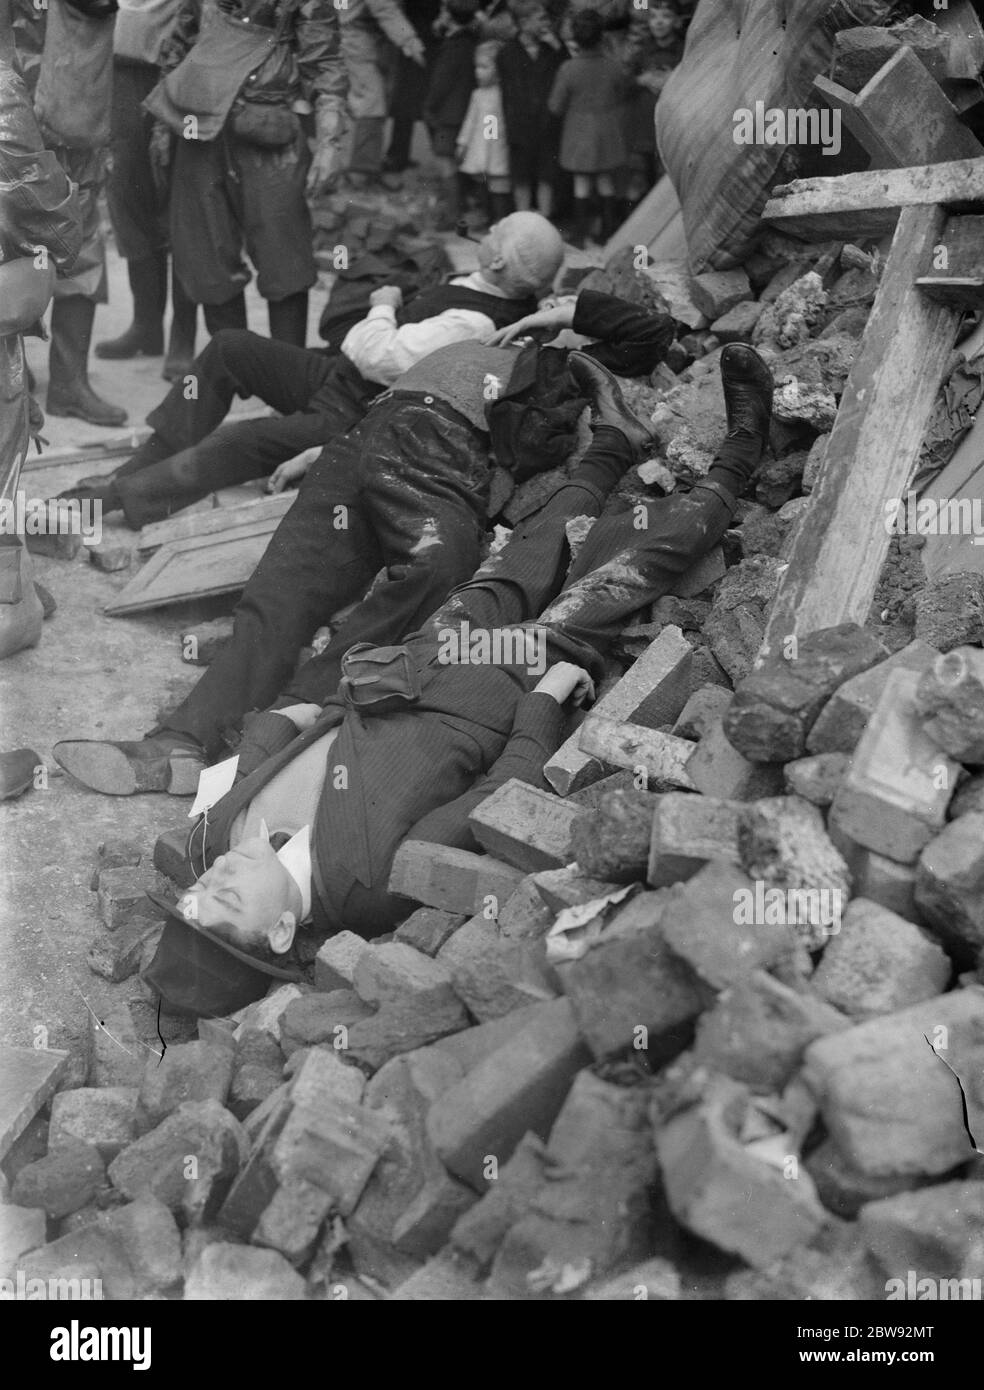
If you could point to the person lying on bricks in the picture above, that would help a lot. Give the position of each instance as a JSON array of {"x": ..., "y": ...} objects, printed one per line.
[
  {"x": 406, "y": 489},
  {"x": 319, "y": 395},
  {"x": 412, "y": 753}
]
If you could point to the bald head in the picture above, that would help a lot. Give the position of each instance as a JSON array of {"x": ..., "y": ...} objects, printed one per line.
[{"x": 522, "y": 253}]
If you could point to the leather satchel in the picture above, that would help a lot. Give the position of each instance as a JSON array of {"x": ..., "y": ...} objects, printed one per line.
[{"x": 378, "y": 679}]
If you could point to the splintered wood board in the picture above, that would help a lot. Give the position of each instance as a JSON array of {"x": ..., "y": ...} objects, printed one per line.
[
  {"x": 28, "y": 1077},
  {"x": 196, "y": 567},
  {"x": 187, "y": 524},
  {"x": 962, "y": 480}
]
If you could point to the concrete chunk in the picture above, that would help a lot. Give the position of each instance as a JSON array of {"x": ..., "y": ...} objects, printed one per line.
[
  {"x": 845, "y": 716},
  {"x": 950, "y": 884},
  {"x": 101, "y": 1117},
  {"x": 428, "y": 928},
  {"x": 238, "y": 1273},
  {"x": 493, "y": 974},
  {"x": 688, "y": 831},
  {"x": 335, "y": 963},
  {"x": 191, "y": 1071},
  {"x": 879, "y": 963},
  {"x": 950, "y": 701},
  {"x": 396, "y": 974},
  {"x": 158, "y": 1163}
]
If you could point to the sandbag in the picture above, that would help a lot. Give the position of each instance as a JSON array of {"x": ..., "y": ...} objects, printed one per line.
[{"x": 739, "y": 52}]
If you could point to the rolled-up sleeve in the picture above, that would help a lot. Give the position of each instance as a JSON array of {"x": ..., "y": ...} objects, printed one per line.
[{"x": 383, "y": 351}]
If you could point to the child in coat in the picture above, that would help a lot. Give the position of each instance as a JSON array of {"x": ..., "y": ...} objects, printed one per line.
[
  {"x": 482, "y": 148},
  {"x": 590, "y": 93}
]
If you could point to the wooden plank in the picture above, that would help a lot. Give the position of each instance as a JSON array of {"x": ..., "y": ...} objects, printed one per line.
[
  {"x": 955, "y": 274},
  {"x": 837, "y": 556},
  {"x": 812, "y": 207},
  {"x": 962, "y": 292},
  {"x": 662, "y": 756},
  {"x": 198, "y": 567},
  {"x": 913, "y": 120},
  {"x": 28, "y": 1077},
  {"x": 962, "y": 480},
  {"x": 959, "y": 21},
  {"x": 117, "y": 446},
  {"x": 840, "y": 99},
  {"x": 648, "y": 221},
  {"x": 186, "y": 524}
]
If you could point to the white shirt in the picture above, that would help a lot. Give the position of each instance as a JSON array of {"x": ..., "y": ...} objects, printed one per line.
[{"x": 382, "y": 351}]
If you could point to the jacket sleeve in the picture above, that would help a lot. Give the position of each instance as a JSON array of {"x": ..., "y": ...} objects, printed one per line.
[
  {"x": 319, "y": 55},
  {"x": 39, "y": 205},
  {"x": 389, "y": 15},
  {"x": 630, "y": 341},
  {"x": 536, "y": 734}
]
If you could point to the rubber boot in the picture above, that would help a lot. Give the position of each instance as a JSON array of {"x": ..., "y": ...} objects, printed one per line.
[
  {"x": 181, "y": 339},
  {"x": 231, "y": 314},
  {"x": 145, "y": 336},
  {"x": 288, "y": 318},
  {"x": 69, "y": 392}
]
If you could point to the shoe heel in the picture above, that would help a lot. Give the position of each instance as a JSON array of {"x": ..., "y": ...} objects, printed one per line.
[{"x": 185, "y": 773}]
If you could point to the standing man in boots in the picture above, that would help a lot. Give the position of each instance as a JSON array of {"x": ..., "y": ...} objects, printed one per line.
[
  {"x": 136, "y": 207},
  {"x": 66, "y": 52},
  {"x": 238, "y": 78}
]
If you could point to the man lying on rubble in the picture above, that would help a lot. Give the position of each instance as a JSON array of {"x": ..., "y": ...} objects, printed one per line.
[
  {"x": 348, "y": 780},
  {"x": 407, "y": 489},
  {"x": 319, "y": 396}
]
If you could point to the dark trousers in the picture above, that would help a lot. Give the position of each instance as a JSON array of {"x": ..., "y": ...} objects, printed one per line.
[
  {"x": 619, "y": 568},
  {"x": 189, "y": 456},
  {"x": 407, "y": 489},
  {"x": 138, "y": 220}
]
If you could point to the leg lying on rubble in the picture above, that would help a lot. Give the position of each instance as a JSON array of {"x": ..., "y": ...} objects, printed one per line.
[{"x": 416, "y": 770}]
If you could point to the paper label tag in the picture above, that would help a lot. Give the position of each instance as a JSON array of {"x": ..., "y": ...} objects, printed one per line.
[{"x": 213, "y": 784}]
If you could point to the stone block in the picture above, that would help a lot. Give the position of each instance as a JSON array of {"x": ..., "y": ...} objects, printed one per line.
[
  {"x": 117, "y": 1054},
  {"x": 688, "y": 831},
  {"x": 950, "y": 610},
  {"x": 949, "y": 890},
  {"x": 844, "y": 1190},
  {"x": 334, "y": 965},
  {"x": 655, "y": 1280},
  {"x": 890, "y": 1100},
  {"x": 188, "y": 1162},
  {"x": 704, "y": 924},
  {"x": 21, "y": 1229},
  {"x": 193, "y": 1071},
  {"x": 950, "y": 702},
  {"x": 115, "y": 853},
  {"x": 774, "y": 709},
  {"x": 428, "y": 929},
  {"x": 227, "y": 1273},
  {"x": 652, "y": 692},
  {"x": 321, "y": 1018},
  {"x": 493, "y": 974},
  {"x": 403, "y": 1027},
  {"x": 123, "y": 897},
  {"x": 629, "y": 987},
  {"x": 452, "y": 879},
  {"x": 150, "y": 1240},
  {"x": 717, "y": 292},
  {"x": 701, "y": 710},
  {"x": 894, "y": 797},
  {"x": 335, "y": 1147},
  {"x": 737, "y": 325},
  {"x": 266, "y": 1013},
  {"x": 103, "y": 1117},
  {"x": 937, "y": 1232},
  {"x": 518, "y": 1088},
  {"x": 482, "y": 1229},
  {"x": 293, "y": 1220},
  {"x": 525, "y": 827},
  {"x": 251, "y": 1085},
  {"x": 171, "y": 857},
  {"x": 716, "y": 768},
  {"x": 61, "y": 1182},
  {"x": 719, "y": 1191},
  {"x": 570, "y": 887},
  {"x": 784, "y": 845},
  {"x": 759, "y": 1029},
  {"x": 817, "y": 778},
  {"x": 845, "y": 716},
  {"x": 879, "y": 963},
  {"x": 116, "y": 955},
  {"x": 612, "y": 842},
  {"x": 657, "y": 757},
  {"x": 397, "y": 974}
]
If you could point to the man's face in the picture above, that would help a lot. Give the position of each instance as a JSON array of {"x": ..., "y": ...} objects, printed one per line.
[{"x": 241, "y": 896}]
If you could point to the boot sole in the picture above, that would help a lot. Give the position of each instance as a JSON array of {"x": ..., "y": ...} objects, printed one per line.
[
  {"x": 102, "y": 768},
  {"x": 66, "y": 412}
]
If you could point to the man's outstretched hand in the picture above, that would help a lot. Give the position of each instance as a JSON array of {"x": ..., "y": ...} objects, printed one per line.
[
  {"x": 565, "y": 681},
  {"x": 291, "y": 471},
  {"x": 554, "y": 316}
]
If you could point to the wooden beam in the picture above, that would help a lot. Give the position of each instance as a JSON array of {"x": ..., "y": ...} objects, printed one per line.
[
  {"x": 837, "y": 556},
  {"x": 962, "y": 27},
  {"x": 214, "y": 520},
  {"x": 840, "y": 99},
  {"x": 960, "y": 291},
  {"x": 911, "y": 117},
  {"x": 814, "y": 207}
]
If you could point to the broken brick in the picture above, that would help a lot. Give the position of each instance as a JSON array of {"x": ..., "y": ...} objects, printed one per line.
[
  {"x": 652, "y": 692},
  {"x": 612, "y": 842},
  {"x": 483, "y": 1228},
  {"x": 783, "y": 844},
  {"x": 61, "y": 1182},
  {"x": 114, "y": 854},
  {"x": 569, "y": 887},
  {"x": 889, "y": 1099},
  {"x": 400, "y": 1027},
  {"x": 656, "y": 1280},
  {"x": 895, "y": 794},
  {"x": 428, "y": 928},
  {"x": 717, "y": 292},
  {"x": 518, "y": 1088},
  {"x": 193, "y": 1071},
  {"x": 171, "y": 857},
  {"x": 226, "y": 1272},
  {"x": 817, "y": 778},
  {"x": 103, "y": 1117},
  {"x": 293, "y": 1219},
  {"x": 334, "y": 965},
  {"x": 493, "y": 974},
  {"x": 716, "y": 768},
  {"x": 950, "y": 884},
  {"x": 950, "y": 611},
  {"x": 158, "y": 1162},
  {"x": 845, "y": 716},
  {"x": 524, "y": 826},
  {"x": 123, "y": 897},
  {"x": 335, "y": 1147},
  {"x": 452, "y": 879},
  {"x": 658, "y": 759},
  {"x": 688, "y": 831},
  {"x": 21, "y": 1229},
  {"x": 734, "y": 1199},
  {"x": 950, "y": 701},
  {"x": 397, "y": 974},
  {"x": 116, "y": 955},
  {"x": 629, "y": 987},
  {"x": 843, "y": 1189},
  {"x": 320, "y": 1018},
  {"x": 110, "y": 558},
  {"x": 879, "y": 963},
  {"x": 701, "y": 710},
  {"x": 935, "y": 1232},
  {"x": 251, "y": 1085}
]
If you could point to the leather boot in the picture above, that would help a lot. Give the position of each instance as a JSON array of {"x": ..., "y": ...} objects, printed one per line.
[
  {"x": 181, "y": 339},
  {"x": 145, "y": 336},
  {"x": 748, "y": 387},
  {"x": 69, "y": 392},
  {"x": 288, "y": 318},
  {"x": 608, "y": 405},
  {"x": 231, "y": 314}
]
